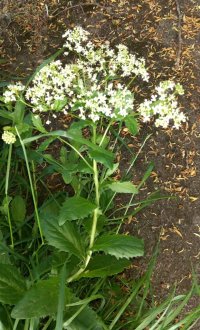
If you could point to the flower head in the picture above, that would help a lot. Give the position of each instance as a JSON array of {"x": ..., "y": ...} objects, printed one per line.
[
  {"x": 12, "y": 92},
  {"x": 164, "y": 106},
  {"x": 8, "y": 137}
]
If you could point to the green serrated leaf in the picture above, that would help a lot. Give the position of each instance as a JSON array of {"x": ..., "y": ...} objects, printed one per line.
[
  {"x": 18, "y": 209},
  {"x": 12, "y": 285},
  {"x": 37, "y": 123},
  {"x": 120, "y": 246},
  {"x": 75, "y": 208},
  {"x": 105, "y": 265},
  {"x": 112, "y": 170},
  {"x": 132, "y": 124},
  {"x": 65, "y": 238},
  {"x": 102, "y": 157},
  {"x": 6, "y": 114},
  {"x": 40, "y": 301},
  {"x": 18, "y": 113},
  {"x": 123, "y": 187},
  {"x": 59, "y": 104}
]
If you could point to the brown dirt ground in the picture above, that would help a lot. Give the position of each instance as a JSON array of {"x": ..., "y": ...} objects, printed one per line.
[{"x": 170, "y": 43}]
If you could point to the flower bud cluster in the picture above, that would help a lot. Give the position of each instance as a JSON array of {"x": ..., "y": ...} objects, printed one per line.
[
  {"x": 12, "y": 92},
  {"x": 52, "y": 84},
  {"x": 164, "y": 106},
  {"x": 8, "y": 137}
]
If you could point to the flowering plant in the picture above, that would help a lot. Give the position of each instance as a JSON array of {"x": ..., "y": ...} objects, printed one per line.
[
  {"x": 94, "y": 87},
  {"x": 91, "y": 87}
]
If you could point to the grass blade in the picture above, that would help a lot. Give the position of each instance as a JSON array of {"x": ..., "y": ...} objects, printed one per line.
[{"x": 61, "y": 298}]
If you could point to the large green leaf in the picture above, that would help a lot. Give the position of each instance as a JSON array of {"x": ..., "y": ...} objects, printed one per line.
[
  {"x": 101, "y": 157},
  {"x": 123, "y": 187},
  {"x": 18, "y": 209},
  {"x": 105, "y": 265},
  {"x": 120, "y": 246},
  {"x": 75, "y": 208},
  {"x": 5, "y": 323},
  {"x": 65, "y": 238},
  {"x": 12, "y": 285},
  {"x": 41, "y": 300}
]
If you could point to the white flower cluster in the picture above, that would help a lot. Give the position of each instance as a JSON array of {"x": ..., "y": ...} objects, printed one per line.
[
  {"x": 12, "y": 92},
  {"x": 164, "y": 106},
  {"x": 76, "y": 88},
  {"x": 8, "y": 137},
  {"x": 75, "y": 39},
  {"x": 119, "y": 62},
  {"x": 89, "y": 85},
  {"x": 114, "y": 102},
  {"x": 51, "y": 87}
]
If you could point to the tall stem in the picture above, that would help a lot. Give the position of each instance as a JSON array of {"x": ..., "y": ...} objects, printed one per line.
[
  {"x": 95, "y": 216},
  {"x": 96, "y": 211},
  {"x": 6, "y": 193},
  {"x": 31, "y": 186}
]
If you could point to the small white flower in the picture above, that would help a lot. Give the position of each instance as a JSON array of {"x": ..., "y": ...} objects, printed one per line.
[
  {"x": 12, "y": 92},
  {"x": 164, "y": 106},
  {"x": 8, "y": 137}
]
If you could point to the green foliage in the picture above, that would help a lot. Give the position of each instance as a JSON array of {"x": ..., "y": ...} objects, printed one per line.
[
  {"x": 123, "y": 187},
  {"x": 18, "y": 209},
  {"x": 12, "y": 284},
  {"x": 105, "y": 265},
  {"x": 40, "y": 300},
  {"x": 75, "y": 208},
  {"x": 61, "y": 250},
  {"x": 120, "y": 246},
  {"x": 65, "y": 238}
]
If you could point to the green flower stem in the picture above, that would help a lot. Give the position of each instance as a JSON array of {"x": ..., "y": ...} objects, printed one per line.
[
  {"x": 45, "y": 327},
  {"x": 16, "y": 324},
  {"x": 105, "y": 133},
  {"x": 95, "y": 217},
  {"x": 27, "y": 323},
  {"x": 6, "y": 193},
  {"x": 97, "y": 198},
  {"x": 31, "y": 185}
]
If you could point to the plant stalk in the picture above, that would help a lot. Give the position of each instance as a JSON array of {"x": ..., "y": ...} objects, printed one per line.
[
  {"x": 31, "y": 185},
  {"x": 6, "y": 193},
  {"x": 95, "y": 216}
]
